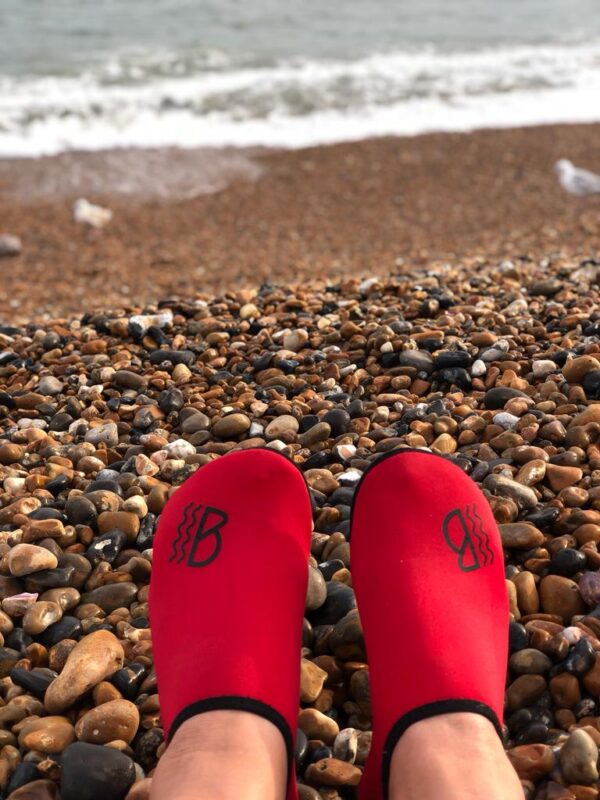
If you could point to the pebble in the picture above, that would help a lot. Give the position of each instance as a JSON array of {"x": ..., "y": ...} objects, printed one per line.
[
  {"x": 231, "y": 426},
  {"x": 333, "y": 772},
  {"x": 96, "y": 657},
  {"x": 312, "y": 680},
  {"x": 47, "y": 734},
  {"x": 561, "y": 596},
  {"x": 578, "y": 758},
  {"x": 104, "y": 416},
  {"x": 24, "y": 559},
  {"x": 109, "y": 722},
  {"x": 520, "y": 535},
  {"x": 9, "y": 245},
  {"x": 92, "y": 772}
]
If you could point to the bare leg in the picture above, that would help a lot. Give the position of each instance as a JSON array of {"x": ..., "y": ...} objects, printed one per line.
[
  {"x": 223, "y": 755},
  {"x": 452, "y": 757}
]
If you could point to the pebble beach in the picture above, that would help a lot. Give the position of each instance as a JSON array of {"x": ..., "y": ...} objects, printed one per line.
[{"x": 480, "y": 342}]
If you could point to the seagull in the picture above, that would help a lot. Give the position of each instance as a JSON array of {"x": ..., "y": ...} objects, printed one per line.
[
  {"x": 575, "y": 180},
  {"x": 89, "y": 214}
]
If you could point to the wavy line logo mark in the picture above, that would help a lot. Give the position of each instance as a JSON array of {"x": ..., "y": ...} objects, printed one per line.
[
  {"x": 198, "y": 536},
  {"x": 465, "y": 535}
]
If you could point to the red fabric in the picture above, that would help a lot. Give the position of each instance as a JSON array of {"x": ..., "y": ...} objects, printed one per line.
[
  {"x": 435, "y": 618},
  {"x": 227, "y": 596}
]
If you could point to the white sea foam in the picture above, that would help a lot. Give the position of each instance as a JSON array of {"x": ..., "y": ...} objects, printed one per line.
[{"x": 161, "y": 102}]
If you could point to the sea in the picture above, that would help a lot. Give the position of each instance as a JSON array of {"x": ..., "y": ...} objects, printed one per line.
[{"x": 97, "y": 74}]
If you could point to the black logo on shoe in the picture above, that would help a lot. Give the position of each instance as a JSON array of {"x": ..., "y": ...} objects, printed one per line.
[
  {"x": 465, "y": 534},
  {"x": 202, "y": 530}
]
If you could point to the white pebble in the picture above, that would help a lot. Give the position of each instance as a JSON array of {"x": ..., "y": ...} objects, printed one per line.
[
  {"x": 543, "y": 367},
  {"x": 180, "y": 448},
  {"x": 506, "y": 420},
  {"x": 478, "y": 368}
]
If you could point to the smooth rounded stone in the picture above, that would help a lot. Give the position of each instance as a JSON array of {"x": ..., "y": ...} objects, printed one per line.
[
  {"x": 520, "y": 535},
  {"x": 130, "y": 380},
  {"x": 543, "y": 367},
  {"x": 591, "y": 384},
  {"x": 317, "y": 725},
  {"x": 10, "y": 245},
  {"x": 420, "y": 360},
  {"x": 589, "y": 588},
  {"x": 25, "y": 773},
  {"x": 316, "y": 590},
  {"x": 506, "y": 487},
  {"x": 300, "y": 747},
  {"x": 40, "y": 616},
  {"x": 34, "y": 681},
  {"x": 96, "y": 657},
  {"x": 562, "y": 477},
  {"x": 333, "y": 772},
  {"x": 312, "y": 680},
  {"x": 295, "y": 340},
  {"x": 340, "y": 600},
  {"x": 531, "y": 761},
  {"x": 66, "y": 597},
  {"x": 36, "y": 790},
  {"x": 284, "y": 425},
  {"x": 338, "y": 420},
  {"x": 180, "y": 448},
  {"x": 567, "y": 562},
  {"x": 524, "y": 691},
  {"x": 560, "y": 596},
  {"x": 80, "y": 511},
  {"x": 308, "y": 793},
  {"x": 50, "y": 578},
  {"x": 528, "y": 600},
  {"x": 575, "y": 369},
  {"x": 532, "y": 473},
  {"x": 581, "y": 658},
  {"x": 66, "y": 628},
  {"x": 106, "y": 433},
  {"x": 8, "y": 659},
  {"x": 17, "y": 604},
  {"x": 231, "y": 426},
  {"x": 318, "y": 433},
  {"x": 125, "y": 521},
  {"x": 497, "y": 397},
  {"x": 578, "y": 758},
  {"x": 128, "y": 679},
  {"x": 106, "y": 547},
  {"x": 47, "y": 734},
  {"x": 518, "y": 638},
  {"x": 506, "y": 420},
  {"x": 24, "y": 559},
  {"x": 529, "y": 662},
  {"x": 346, "y": 745},
  {"x": 93, "y": 772},
  {"x": 111, "y": 596},
  {"x": 49, "y": 385},
  {"x": 330, "y": 567},
  {"x": 117, "y": 719}
]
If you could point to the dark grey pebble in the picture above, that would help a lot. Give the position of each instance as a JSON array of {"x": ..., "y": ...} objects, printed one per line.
[
  {"x": 340, "y": 600},
  {"x": 94, "y": 772},
  {"x": 65, "y": 628},
  {"x": 111, "y": 596}
]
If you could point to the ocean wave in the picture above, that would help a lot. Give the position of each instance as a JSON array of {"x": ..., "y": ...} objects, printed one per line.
[{"x": 209, "y": 100}]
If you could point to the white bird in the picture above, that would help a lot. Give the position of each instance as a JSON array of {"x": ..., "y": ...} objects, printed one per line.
[
  {"x": 575, "y": 180},
  {"x": 89, "y": 214}
]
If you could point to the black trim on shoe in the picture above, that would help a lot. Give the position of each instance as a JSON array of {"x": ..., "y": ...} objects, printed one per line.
[
  {"x": 425, "y": 712},
  {"x": 238, "y": 703},
  {"x": 379, "y": 460}
]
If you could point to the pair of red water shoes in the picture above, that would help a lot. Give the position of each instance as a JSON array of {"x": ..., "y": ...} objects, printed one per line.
[{"x": 229, "y": 585}]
